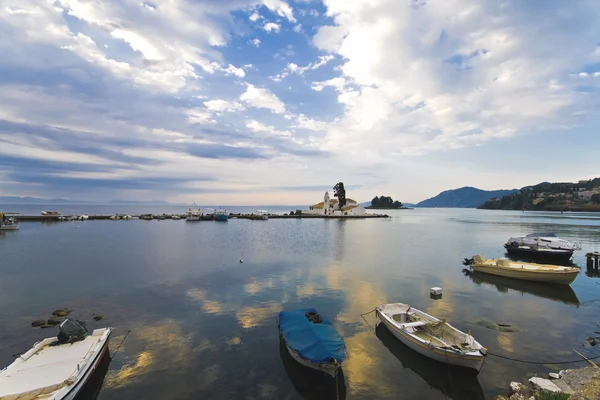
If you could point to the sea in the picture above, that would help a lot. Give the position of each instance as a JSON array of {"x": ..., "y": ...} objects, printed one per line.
[{"x": 195, "y": 305}]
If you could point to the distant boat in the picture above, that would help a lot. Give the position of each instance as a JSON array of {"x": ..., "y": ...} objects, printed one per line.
[
  {"x": 193, "y": 214},
  {"x": 220, "y": 215},
  {"x": 8, "y": 223},
  {"x": 147, "y": 217},
  {"x": 312, "y": 340},
  {"x": 56, "y": 368},
  {"x": 542, "y": 247},
  {"x": 433, "y": 338},
  {"x": 523, "y": 270},
  {"x": 50, "y": 213},
  {"x": 175, "y": 216}
]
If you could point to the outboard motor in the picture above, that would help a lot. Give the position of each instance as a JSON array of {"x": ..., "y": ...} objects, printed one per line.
[{"x": 71, "y": 330}]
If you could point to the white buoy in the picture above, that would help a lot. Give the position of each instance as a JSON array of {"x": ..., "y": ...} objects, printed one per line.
[
  {"x": 241, "y": 261},
  {"x": 435, "y": 291}
]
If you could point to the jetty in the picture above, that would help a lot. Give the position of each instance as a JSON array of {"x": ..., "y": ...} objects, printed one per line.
[
  {"x": 67, "y": 218},
  {"x": 593, "y": 259}
]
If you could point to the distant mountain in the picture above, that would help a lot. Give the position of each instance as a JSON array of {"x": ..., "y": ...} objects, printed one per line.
[
  {"x": 17, "y": 200},
  {"x": 465, "y": 197}
]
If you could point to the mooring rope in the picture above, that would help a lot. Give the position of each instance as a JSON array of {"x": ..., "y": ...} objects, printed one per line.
[
  {"x": 119, "y": 347},
  {"x": 364, "y": 319},
  {"x": 540, "y": 362}
]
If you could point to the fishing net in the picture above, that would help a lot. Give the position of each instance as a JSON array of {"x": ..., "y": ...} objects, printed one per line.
[{"x": 437, "y": 328}]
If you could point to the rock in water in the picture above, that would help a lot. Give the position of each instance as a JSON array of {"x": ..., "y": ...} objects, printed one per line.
[
  {"x": 98, "y": 317},
  {"x": 544, "y": 384},
  {"x": 38, "y": 322},
  {"x": 486, "y": 323},
  {"x": 591, "y": 341},
  {"x": 515, "y": 387},
  {"x": 554, "y": 375},
  {"x": 62, "y": 313},
  {"x": 54, "y": 321}
]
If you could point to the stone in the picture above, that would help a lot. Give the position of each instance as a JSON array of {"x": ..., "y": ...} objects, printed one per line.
[
  {"x": 554, "y": 375},
  {"x": 591, "y": 341},
  {"x": 62, "y": 313},
  {"x": 544, "y": 384},
  {"x": 98, "y": 317},
  {"x": 46, "y": 326},
  {"x": 38, "y": 322},
  {"x": 517, "y": 396},
  {"x": 515, "y": 387},
  {"x": 54, "y": 321},
  {"x": 562, "y": 373}
]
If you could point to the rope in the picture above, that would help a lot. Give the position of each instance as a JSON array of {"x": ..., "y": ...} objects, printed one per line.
[
  {"x": 119, "y": 347},
  {"x": 363, "y": 317},
  {"x": 540, "y": 362}
]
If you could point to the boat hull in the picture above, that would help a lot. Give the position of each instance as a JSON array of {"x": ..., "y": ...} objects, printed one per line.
[
  {"x": 221, "y": 217},
  {"x": 564, "y": 278},
  {"x": 329, "y": 369},
  {"x": 9, "y": 227},
  {"x": 468, "y": 361},
  {"x": 562, "y": 257}
]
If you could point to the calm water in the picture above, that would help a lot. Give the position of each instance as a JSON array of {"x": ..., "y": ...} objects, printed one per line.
[{"x": 203, "y": 325}]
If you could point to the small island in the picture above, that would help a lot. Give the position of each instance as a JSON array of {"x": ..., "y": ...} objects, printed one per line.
[{"x": 386, "y": 203}]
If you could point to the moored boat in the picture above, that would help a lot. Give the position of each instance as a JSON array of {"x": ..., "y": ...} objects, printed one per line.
[
  {"x": 175, "y": 216},
  {"x": 312, "y": 340},
  {"x": 523, "y": 270},
  {"x": 193, "y": 214},
  {"x": 541, "y": 247},
  {"x": 8, "y": 223},
  {"x": 262, "y": 214},
  {"x": 432, "y": 337},
  {"x": 220, "y": 215},
  {"x": 56, "y": 368},
  {"x": 50, "y": 213}
]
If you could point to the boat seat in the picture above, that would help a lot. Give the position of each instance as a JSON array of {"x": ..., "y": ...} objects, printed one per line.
[{"x": 414, "y": 324}]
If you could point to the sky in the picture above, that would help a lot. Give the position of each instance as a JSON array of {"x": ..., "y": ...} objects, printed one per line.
[{"x": 246, "y": 102}]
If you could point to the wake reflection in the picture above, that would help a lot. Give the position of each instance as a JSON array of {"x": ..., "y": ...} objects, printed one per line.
[
  {"x": 92, "y": 387},
  {"x": 311, "y": 384},
  {"x": 561, "y": 293},
  {"x": 453, "y": 382}
]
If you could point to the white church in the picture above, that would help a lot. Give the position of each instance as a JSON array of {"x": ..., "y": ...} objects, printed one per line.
[{"x": 331, "y": 207}]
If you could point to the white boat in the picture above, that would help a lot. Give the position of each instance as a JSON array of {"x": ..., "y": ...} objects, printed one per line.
[
  {"x": 127, "y": 217},
  {"x": 194, "y": 213},
  {"x": 543, "y": 246},
  {"x": 50, "y": 213},
  {"x": 8, "y": 223},
  {"x": 524, "y": 270},
  {"x": 84, "y": 217},
  {"x": 175, "y": 217},
  {"x": 55, "y": 369},
  {"x": 433, "y": 338}
]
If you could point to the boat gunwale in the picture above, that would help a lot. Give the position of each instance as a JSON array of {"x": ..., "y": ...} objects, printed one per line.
[{"x": 545, "y": 268}]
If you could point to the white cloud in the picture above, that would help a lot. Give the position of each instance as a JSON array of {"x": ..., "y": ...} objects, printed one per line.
[
  {"x": 255, "y": 42},
  {"x": 223, "y": 105},
  {"x": 339, "y": 83},
  {"x": 271, "y": 26},
  {"x": 293, "y": 68},
  {"x": 438, "y": 76},
  {"x": 200, "y": 116},
  {"x": 313, "y": 12},
  {"x": 257, "y": 126},
  {"x": 281, "y": 8},
  {"x": 305, "y": 122},
  {"x": 231, "y": 70},
  {"x": 297, "y": 28},
  {"x": 262, "y": 98},
  {"x": 254, "y": 17}
]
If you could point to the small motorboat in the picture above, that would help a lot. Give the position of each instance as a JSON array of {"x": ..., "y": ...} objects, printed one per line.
[
  {"x": 261, "y": 215},
  {"x": 56, "y": 368},
  {"x": 147, "y": 217},
  {"x": 523, "y": 270},
  {"x": 175, "y": 216},
  {"x": 50, "y": 213},
  {"x": 127, "y": 217},
  {"x": 542, "y": 246},
  {"x": 8, "y": 223},
  {"x": 312, "y": 340},
  {"x": 432, "y": 337},
  {"x": 83, "y": 217}
]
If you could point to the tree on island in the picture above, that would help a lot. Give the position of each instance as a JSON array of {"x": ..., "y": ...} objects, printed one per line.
[
  {"x": 385, "y": 202},
  {"x": 340, "y": 193}
]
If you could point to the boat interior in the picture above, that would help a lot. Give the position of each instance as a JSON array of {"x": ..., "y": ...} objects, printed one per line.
[
  {"x": 435, "y": 331},
  {"x": 520, "y": 265}
]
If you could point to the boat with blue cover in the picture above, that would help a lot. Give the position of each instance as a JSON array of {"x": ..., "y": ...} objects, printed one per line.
[
  {"x": 312, "y": 340},
  {"x": 221, "y": 215}
]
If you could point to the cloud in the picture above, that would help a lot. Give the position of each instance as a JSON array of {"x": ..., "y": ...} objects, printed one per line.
[
  {"x": 426, "y": 78},
  {"x": 281, "y": 8},
  {"x": 293, "y": 68},
  {"x": 223, "y": 105},
  {"x": 262, "y": 98},
  {"x": 262, "y": 128},
  {"x": 255, "y": 42},
  {"x": 231, "y": 70},
  {"x": 271, "y": 26},
  {"x": 255, "y": 17}
]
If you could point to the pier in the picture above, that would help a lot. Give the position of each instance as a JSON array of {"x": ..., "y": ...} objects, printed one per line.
[
  {"x": 66, "y": 218},
  {"x": 592, "y": 260}
]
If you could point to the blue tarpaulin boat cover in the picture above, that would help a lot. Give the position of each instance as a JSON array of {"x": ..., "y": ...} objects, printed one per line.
[{"x": 319, "y": 343}]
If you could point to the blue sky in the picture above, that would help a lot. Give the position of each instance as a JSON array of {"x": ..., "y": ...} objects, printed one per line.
[{"x": 273, "y": 101}]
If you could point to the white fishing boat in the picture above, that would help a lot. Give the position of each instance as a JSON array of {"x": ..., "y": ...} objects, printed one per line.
[
  {"x": 56, "y": 368},
  {"x": 8, "y": 223},
  {"x": 523, "y": 270},
  {"x": 432, "y": 337}
]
